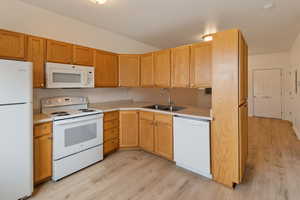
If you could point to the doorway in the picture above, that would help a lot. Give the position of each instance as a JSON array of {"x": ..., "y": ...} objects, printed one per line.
[{"x": 267, "y": 92}]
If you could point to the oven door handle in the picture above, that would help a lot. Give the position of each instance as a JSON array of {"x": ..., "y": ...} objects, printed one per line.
[{"x": 78, "y": 119}]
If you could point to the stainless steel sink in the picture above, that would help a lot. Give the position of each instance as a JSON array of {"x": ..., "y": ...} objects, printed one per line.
[{"x": 165, "y": 107}]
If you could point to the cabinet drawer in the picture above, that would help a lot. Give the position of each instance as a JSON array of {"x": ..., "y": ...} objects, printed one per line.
[
  {"x": 111, "y": 116},
  {"x": 111, "y": 124},
  {"x": 111, "y": 145},
  {"x": 111, "y": 133},
  {"x": 163, "y": 118},
  {"x": 146, "y": 115},
  {"x": 42, "y": 129}
]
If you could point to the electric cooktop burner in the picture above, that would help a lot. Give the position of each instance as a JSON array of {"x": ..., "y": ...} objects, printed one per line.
[
  {"x": 62, "y": 113},
  {"x": 86, "y": 110}
]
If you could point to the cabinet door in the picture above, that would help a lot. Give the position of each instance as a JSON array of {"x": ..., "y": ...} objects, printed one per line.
[
  {"x": 243, "y": 70},
  {"x": 82, "y": 55},
  {"x": 164, "y": 136},
  {"x": 243, "y": 139},
  {"x": 181, "y": 67},
  {"x": 225, "y": 100},
  {"x": 129, "y": 70},
  {"x": 201, "y": 65},
  {"x": 147, "y": 131},
  {"x": 59, "y": 52},
  {"x": 162, "y": 68},
  {"x": 42, "y": 158},
  {"x": 12, "y": 45},
  {"x": 106, "y": 69},
  {"x": 129, "y": 129},
  {"x": 147, "y": 70},
  {"x": 36, "y": 55}
]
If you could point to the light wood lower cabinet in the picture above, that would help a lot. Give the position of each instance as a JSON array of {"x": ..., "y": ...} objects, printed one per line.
[
  {"x": 147, "y": 131},
  {"x": 156, "y": 133},
  {"x": 42, "y": 152},
  {"x": 164, "y": 135},
  {"x": 129, "y": 129},
  {"x": 111, "y": 132},
  {"x": 243, "y": 139}
]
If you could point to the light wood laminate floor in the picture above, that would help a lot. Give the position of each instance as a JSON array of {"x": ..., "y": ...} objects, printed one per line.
[{"x": 273, "y": 173}]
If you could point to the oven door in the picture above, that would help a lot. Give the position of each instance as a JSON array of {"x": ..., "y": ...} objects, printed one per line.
[
  {"x": 74, "y": 135},
  {"x": 64, "y": 76}
]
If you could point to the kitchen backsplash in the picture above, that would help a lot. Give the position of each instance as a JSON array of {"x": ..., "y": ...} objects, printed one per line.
[{"x": 193, "y": 97}]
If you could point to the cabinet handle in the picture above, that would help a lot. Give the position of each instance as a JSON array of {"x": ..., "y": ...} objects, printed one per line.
[
  {"x": 42, "y": 84},
  {"x": 50, "y": 138}
]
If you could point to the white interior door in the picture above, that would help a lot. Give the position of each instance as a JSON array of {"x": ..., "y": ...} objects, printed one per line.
[{"x": 267, "y": 93}]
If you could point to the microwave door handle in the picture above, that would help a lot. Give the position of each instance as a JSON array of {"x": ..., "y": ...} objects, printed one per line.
[{"x": 85, "y": 81}]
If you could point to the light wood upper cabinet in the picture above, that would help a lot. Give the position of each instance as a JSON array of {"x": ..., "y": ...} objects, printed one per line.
[
  {"x": 42, "y": 152},
  {"x": 36, "y": 55},
  {"x": 147, "y": 70},
  {"x": 162, "y": 68},
  {"x": 147, "y": 131},
  {"x": 106, "y": 69},
  {"x": 164, "y": 135},
  {"x": 243, "y": 70},
  {"x": 201, "y": 65},
  {"x": 12, "y": 45},
  {"x": 59, "y": 52},
  {"x": 129, "y": 70},
  {"x": 129, "y": 129},
  {"x": 82, "y": 55},
  {"x": 181, "y": 67}
]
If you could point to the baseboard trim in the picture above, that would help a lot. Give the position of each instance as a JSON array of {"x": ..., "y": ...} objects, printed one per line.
[{"x": 296, "y": 132}]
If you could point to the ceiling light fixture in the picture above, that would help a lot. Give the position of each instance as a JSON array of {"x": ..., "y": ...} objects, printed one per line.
[
  {"x": 99, "y": 1},
  {"x": 269, "y": 6},
  {"x": 207, "y": 37}
]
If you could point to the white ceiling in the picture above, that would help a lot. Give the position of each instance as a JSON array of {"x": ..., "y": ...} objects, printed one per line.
[{"x": 169, "y": 23}]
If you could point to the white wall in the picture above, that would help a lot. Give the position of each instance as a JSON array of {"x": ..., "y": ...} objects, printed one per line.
[
  {"x": 268, "y": 61},
  {"x": 20, "y": 17},
  {"x": 295, "y": 99}
]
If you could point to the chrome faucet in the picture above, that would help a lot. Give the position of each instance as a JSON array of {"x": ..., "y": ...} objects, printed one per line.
[{"x": 168, "y": 92}]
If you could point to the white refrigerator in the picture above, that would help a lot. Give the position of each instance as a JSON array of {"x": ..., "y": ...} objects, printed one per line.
[{"x": 16, "y": 130}]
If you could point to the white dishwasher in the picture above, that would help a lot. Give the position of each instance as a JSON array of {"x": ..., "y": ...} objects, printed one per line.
[{"x": 192, "y": 144}]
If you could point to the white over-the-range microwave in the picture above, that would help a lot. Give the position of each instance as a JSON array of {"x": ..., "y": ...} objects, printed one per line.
[{"x": 69, "y": 76}]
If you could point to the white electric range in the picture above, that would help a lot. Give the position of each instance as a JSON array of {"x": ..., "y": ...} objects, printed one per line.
[{"x": 77, "y": 134}]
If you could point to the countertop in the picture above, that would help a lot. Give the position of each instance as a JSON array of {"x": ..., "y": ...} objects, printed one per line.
[
  {"x": 189, "y": 111},
  {"x": 39, "y": 118}
]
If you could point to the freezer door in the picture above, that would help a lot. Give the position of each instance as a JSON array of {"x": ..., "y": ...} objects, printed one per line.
[
  {"x": 16, "y": 143},
  {"x": 15, "y": 82}
]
